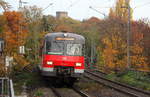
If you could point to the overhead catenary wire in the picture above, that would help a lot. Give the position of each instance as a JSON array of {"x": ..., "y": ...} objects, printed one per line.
[
  {"x": 97, "y": 11},
  {"x": 47, "y": 6},
  {"x": 74, "y": 3},
  {"x": 138, "y": 6},
  {"x": 88, "y": 9}
]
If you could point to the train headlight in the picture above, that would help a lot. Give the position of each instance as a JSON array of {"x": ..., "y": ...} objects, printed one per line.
[
  {"x": 78, "y": 64},
  {"x": 49, "y": 62}
]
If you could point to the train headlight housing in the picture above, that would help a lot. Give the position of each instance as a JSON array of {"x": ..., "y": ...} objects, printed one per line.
[
  {"x": 78, "y": 64},
  {"x": 49, "y": 62}
]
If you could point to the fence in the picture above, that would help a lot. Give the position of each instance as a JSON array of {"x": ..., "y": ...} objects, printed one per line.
[{"x": 6, "y": 87}]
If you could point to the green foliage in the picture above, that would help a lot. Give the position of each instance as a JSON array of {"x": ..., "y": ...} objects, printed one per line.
[
  {"x": 112, "y": 76},
  {"x": 33, "y": 17},
  {"x": 133, "y": 78},
  {"x": 100, "y": 60},
  {"x": 30, "y": 79},
  {"x": 48, "y": 23}
]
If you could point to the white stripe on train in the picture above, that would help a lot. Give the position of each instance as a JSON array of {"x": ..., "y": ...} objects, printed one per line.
[{"x": 52, "y": 69}]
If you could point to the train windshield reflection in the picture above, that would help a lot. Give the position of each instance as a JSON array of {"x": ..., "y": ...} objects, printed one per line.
[{"x": 74, "y": 49}]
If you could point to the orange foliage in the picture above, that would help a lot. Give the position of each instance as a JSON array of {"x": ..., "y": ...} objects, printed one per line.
[
  {"x": 138, "y": 60},
  {"x": 11, "y": 42},
  {"x": 15, "y": 31},
  {"x": 21, "y": 60},
  {"x": 15, "y": 34},
  {"x": 108, "y": 55},
  {"x": 111, "y": 53},
  {"x": 115, "y": 49}
]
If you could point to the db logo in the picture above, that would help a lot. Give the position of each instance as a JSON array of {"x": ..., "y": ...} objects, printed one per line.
[{"x": 64, "y": 58}]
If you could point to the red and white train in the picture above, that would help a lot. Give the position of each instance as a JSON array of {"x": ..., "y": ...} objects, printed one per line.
[{"x": 63, "y": 55}]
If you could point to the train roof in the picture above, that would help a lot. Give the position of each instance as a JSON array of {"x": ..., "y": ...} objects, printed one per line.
[{"x": 52, "y": 36}]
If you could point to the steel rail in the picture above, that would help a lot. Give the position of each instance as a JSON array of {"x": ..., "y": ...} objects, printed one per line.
[
  {"x": 80, "y": 92},
  {"x": 55, "y": 91},
  {"x": 115, "y": 85},
  {"x": 122, "y": 84}
]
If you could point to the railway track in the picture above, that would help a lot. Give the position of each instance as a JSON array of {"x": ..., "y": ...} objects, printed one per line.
[
  {"x": 69, "y": 92},
  {"x": 80, "y": 92},
  {"x": 56, "y": 92},
  {"x": 99, "y": 77}
]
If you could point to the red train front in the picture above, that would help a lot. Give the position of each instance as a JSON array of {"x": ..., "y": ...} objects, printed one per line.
[{"x": 63, "y": 55}]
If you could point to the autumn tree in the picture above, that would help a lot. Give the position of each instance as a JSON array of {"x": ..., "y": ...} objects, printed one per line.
[
  {"x": 15, "y": 31},
  {"x": 15, "y": 34},
  {"x": 33, "y": 17},
  {"x": 121, "y": 10},
  {"x": 139, "y": 57},
  {"x": 114, "y": 40},
  {"x": 144, "y": 28},
  {"x": 49, "y": 23},
  {"x": 2, "y": 24},
  {"x": 112, "y": 46}
]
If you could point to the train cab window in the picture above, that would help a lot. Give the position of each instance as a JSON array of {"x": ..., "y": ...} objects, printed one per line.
[
  {"x": 54, "y": 48},
  {"x": 74, "y": 49}
]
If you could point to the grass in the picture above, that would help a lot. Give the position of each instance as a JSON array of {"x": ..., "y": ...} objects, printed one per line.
[
  {"x": 38, "y": 93},
  {"x": 133, "y": 78}
]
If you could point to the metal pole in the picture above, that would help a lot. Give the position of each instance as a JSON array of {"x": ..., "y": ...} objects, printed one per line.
[
  {"x": 128, "y": 35},
  {"x": 11, "y": 89},
  {"x": 20, "y": 4},
  {"x": 91, "y": 63}
]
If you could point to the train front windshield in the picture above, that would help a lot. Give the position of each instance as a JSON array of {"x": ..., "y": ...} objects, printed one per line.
[
  {"x": 74, "y": 49},
  {"x": 54, "y": 48},
  {"x": 59, "y": 48}
]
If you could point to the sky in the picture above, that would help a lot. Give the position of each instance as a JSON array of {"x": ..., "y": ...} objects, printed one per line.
[{"x": 79, "y": 9}]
